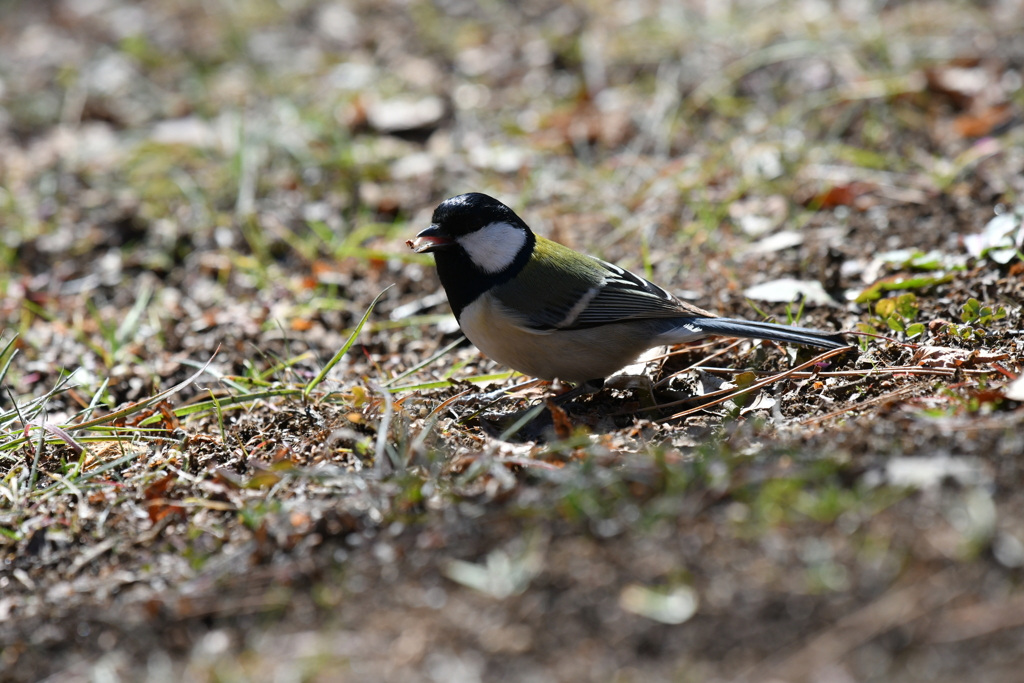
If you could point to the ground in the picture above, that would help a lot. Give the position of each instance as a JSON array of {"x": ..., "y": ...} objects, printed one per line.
[{"x": 242, "y": 438}]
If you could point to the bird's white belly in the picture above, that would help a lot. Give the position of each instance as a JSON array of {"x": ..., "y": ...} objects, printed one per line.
[{"x": 573, "y": 356}]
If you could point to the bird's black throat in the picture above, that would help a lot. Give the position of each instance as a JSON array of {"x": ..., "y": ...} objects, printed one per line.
[{"x": 464, "y": 282}]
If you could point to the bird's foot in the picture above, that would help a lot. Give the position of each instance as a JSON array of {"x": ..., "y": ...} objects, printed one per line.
[
  {"x": 641, "y": 384},
  {"x": 591, "y": 386},
  {"x": 489, "y": 397}
]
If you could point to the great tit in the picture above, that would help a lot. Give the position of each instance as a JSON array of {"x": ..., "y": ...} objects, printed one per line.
[{"x": 548, "y": 311}]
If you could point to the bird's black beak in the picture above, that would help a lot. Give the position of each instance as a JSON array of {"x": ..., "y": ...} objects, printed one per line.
[{"x": 429, "y": 240}]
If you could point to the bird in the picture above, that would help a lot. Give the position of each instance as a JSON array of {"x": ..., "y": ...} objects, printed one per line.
[{"x": 550, "y": 312}]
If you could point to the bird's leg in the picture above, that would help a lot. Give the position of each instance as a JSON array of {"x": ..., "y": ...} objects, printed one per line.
[
  {"x": 591, "y": 386},
  {"x": 642, "y": 384},
  {"x": 541, "y": 424},
  {"x": 490, "y": 397}
]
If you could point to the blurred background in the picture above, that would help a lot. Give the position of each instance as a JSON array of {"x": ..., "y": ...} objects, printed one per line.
[{"x": 173, "y": 127}]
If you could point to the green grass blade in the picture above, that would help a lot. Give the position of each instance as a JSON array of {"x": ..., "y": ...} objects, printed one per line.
[
  {"x": 130, "y": 324},
  {"x": 220, "y": 377},
  {"x": 227, "y": 402},
  {"x": 344, "y": 349},
  {"x": 7, "y": 365},
  {"x": 140, "y": 405},
  {"x": 35, "y": 461},
  {"x": 87, "y": 413},
  {"x": 106, "y": 467},
  {"x": 284, "y": 365},
  {"x": 441, "y": 384},
  {"x": 521, "y": 422},
  {"x": 425, "y": 363}
]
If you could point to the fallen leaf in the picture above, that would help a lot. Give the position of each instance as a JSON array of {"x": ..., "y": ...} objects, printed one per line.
[
  {"x": 960, "y": 83},
  {"x": 1000, "y": 240},
  {"x": 923, "y": 472},
  {"x": 785, "y": 290},
  {"x": 948, "y": 357},
  {"x": 405, "y": 114},
  {"x": 157, "y": 502},
  {"x": 785, "y": 239},
  {"x": 672, "y": 606},
  {"x": 562, "y": 423},
  {"x": 841, "y": 195},
  {"x": 1015, "y": 389},
  {"x": 979, "y": 124}
]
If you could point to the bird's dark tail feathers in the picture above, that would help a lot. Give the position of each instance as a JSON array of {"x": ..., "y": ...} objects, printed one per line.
[{"x": 747, "y": 329}]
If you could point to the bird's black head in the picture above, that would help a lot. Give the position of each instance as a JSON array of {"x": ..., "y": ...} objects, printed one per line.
[
  {"x": 459, "y": 216},
  {"x": 470, "y": 212},
  {"x": 477, "y": 243}
]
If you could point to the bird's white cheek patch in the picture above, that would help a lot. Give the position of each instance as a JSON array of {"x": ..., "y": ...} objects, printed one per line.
[{"x": 494, "y": 247}]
